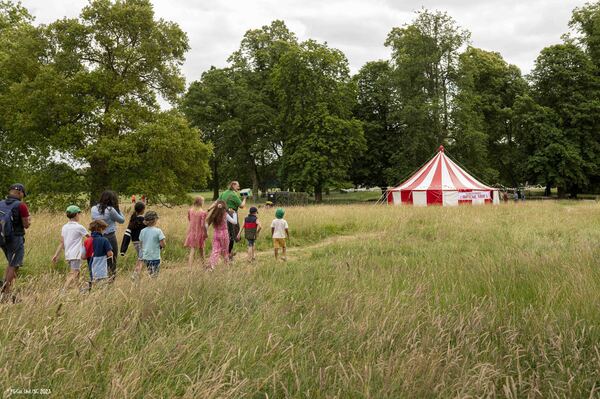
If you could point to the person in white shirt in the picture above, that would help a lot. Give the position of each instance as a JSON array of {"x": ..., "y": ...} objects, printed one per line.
[
  {"x": 71, "y": 240},
  {"x": 279, "y": 232}
]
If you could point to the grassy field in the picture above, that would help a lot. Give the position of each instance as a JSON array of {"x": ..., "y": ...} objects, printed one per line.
[{"x": 374, "y": 301}]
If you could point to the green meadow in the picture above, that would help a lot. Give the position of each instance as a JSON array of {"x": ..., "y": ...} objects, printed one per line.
[{"x": 374, "y": 301}]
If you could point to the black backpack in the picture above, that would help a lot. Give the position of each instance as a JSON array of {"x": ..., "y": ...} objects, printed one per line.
[{"x": 6, "y": 220}]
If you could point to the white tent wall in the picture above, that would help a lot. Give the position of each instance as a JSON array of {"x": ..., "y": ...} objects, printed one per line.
[
  {"x": 450, "y": 198},
  {"x": 419, "y": 198}
]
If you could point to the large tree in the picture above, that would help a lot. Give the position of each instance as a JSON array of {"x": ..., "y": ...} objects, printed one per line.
[
  {"x": 484, "y": 133},
  {"x": 22, "y": 48},
  {"x": 108, "y": 68},
  {"x": 237, "y": 110},
  {"x": 425, "y": 58},
  {"x": 564, "y": 82},
  {"x": 316, "y": 100},
  {"x": 375, "y": 99}
]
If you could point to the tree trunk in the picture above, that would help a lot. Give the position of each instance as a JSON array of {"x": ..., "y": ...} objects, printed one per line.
[
  {"x": 254, "y": 177},
  {"x": 99, "y": 179},
  {"x": 573, "y": 191},
  {"x": 562, "y": 193},
  {"x": 215, "y": 179},
  {"x": 318, "y": 193}
]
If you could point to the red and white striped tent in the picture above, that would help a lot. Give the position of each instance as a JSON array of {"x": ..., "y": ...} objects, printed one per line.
[{"x": 442, "y": 182}]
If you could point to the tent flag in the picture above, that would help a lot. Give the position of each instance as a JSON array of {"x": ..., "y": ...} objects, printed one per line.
[{"x": 442, "y": 182}]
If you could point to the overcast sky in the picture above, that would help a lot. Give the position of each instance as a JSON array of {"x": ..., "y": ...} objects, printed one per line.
[{"x": 518, "y": 29}]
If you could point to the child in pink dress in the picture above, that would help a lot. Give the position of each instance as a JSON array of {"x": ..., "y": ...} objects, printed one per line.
[
  {"x": 220, "y": 244},
  {"x": 197, "y": 232}
]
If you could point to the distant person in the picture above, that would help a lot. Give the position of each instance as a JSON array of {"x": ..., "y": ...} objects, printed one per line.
[
  {"x": 523, "y": 195},
  {"x": 144, "y": 200},
  {"x": 197, "y": 230},
  {"x": 14, "y": 216},
  {"x": 132, "y": 235},
  {"x": 71, "y": 240},
  {"x": 219, "y": 218},
  {"x": 251, "y": 229},
  {"x": 516, "y": 196},
  {"x": 107, "y": 210},
  {"x": 133, "y": 199},
  {"x": 504, "y": 196},
  {"x": 234, "y": 201},
  {"x": 101, "y": 251},
  {"x": 279, "y": 232},
  {"x": 153, "y": 241}
]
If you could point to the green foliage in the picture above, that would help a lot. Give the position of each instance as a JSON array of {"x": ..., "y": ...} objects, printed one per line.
[
  {"x": 375, "y": 101},
  {"x": 566, "y": 151},
  {"x": 484, "y": 130},
  {"x": 317, "y": 98},
  {"x": 424, "y": 59},
  {"x": 106, "y": 69},
  {"x": 236, "y": 109}
]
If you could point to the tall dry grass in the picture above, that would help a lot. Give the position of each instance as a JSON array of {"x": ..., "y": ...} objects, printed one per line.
[{"x": 374, "y": 302}]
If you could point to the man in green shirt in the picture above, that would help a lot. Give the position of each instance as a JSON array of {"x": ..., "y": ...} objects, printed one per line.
[{"x": 234, "y": 201}]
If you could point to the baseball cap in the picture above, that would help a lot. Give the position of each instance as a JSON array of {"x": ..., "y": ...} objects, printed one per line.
[
  {"x": 73, "y": 209},
  {"x": 150, "y": 216},
  {"x": 19, "y": 187},
  {"x": 253, "y": 209}
]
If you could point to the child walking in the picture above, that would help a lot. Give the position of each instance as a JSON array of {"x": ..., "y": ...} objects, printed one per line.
[
  {"x": 71, "y": 240},
  {"x": 197, "y": 231},
  {"x": 251, "y": 229},
  {"x": 132, "y": 235},
  {"x": 279, "y": 232},
  {"x": 153, "y": 241},
  {"x": 220, "y": 244},
  {"x": 102, "y": 251}
]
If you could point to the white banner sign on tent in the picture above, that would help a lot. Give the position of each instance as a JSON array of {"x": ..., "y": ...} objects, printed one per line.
[{"x": 474, "y": 195}]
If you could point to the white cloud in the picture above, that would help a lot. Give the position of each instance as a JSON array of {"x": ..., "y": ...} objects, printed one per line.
[{"x": 517, "y": 29}]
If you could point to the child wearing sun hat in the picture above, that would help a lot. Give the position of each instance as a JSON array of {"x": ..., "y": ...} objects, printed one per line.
[
  {"x": 279, "y": 232},
  {"x": 71, "y": 241}
]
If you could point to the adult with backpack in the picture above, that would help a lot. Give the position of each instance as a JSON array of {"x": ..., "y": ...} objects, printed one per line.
[{"x": 14, "y": 220}]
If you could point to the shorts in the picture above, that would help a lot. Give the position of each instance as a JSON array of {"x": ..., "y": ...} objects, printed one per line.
[
  {"x": 74, "y": 264},
  {"x": 153, "y": 266},
  {"x": 14, "y": 250},
  {"x": 278, "y": 243},
  {"x": 138, "y": 248},
  {"x": 250, "y": 242}
]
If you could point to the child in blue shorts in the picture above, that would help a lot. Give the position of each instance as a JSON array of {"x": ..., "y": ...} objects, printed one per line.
[{"x": 153, "y": 241}]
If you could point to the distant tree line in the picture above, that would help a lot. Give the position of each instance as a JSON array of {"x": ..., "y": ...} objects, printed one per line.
[{"x": 79, "y": 107}]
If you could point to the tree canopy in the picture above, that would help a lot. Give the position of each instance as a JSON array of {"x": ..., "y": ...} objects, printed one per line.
[{"x": 79, "y": 100}]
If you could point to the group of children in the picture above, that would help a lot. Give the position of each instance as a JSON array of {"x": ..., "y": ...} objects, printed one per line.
[
  {"x": 148, "y": 240},
  {"x": 218, "y": 216},
  {"x": 95, "y": 248}
]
